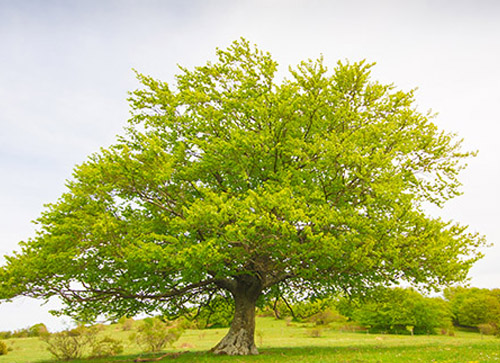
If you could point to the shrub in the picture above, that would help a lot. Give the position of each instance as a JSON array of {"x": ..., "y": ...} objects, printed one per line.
[
  {"x": 3, "y": 348},
  {"x": 487, "y": 329},
  {"x": 326, "y": 317},
  {"x": 70, "y": 344},
  {"x": 154, "y": 334},
  {"x": 5, "y": 334},
  {"x": 20, "y": 333},
  {"x": 106, "y": 347},
  {"x": 304, "y": 310},
  {"x": 315, "y": 332},
  {"x": 126, "y": 323}
]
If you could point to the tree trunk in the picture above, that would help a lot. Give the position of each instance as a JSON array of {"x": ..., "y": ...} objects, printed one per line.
[{"x": 240, "y": 338}]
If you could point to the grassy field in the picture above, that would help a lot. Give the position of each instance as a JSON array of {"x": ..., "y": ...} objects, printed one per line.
[{"x": 279, "y": 342}]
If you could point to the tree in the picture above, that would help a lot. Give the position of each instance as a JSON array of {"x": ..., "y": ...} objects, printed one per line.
[
  {"x": 397, "y": 310},
  {"x": 473, "y": 307},
  {"x": 230, "y": 180}
]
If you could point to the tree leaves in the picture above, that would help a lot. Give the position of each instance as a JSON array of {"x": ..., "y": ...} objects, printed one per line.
[{"x": 315, "y": 182}]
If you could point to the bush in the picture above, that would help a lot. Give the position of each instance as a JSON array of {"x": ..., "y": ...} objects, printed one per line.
[
  {"x": 70, "y": 344},
  {"x": 487, "y": 329},
  {"x": 79, "y": 342},
  {"x": 326, "y": 317},
  {"x": 3, "y": 348},
  {"x": 315, "y": 333},
  {"x": 154, "y": 334},
  {"x": 106, "y": 347},
  {"x": 5, "y": 334},
  {"x": 20, "y": 333},
  {"x": 126, "y": 323}
]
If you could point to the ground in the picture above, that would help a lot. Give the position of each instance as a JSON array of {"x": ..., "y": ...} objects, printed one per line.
[{"x": 281, "y": 342}]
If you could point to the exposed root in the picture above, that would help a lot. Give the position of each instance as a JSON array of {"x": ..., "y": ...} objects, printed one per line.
[{"x": 239, "y": 343}]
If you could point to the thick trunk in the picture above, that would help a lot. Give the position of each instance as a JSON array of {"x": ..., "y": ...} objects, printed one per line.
[{"x": 240, "y": 338}]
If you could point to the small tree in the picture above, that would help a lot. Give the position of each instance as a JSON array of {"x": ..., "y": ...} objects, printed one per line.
[{"x": 231, "y": 180}]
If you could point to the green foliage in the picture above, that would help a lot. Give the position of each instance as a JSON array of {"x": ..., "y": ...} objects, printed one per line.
[
  {"x": 218, "y": 313},
  {"x": 400, "y": 311},
  {"x": 20, "y": 333},
  {"x": 37, "y": 330},
  {"x": 473, "y": 307},
  {"x": 70, "y": 344},
  {"x": 309, "y": 185},
  {"x": 3, "y": 348},
  {"x": 318, "y": 311},
  {"x": 303, "y": 310},
  {"x": 294, "y": 343},
  {"x": 5, "y": 334},
  {"x": 327, "y": 316},
  {"x": 106, "y": 347},
  {"x": 315, "y": 332},
  {"x": 487, "y": 329},
  {"x": 126, "y": 323},
  {"x": 154, "y": 334},
  {"x": 81, "y": 341}
]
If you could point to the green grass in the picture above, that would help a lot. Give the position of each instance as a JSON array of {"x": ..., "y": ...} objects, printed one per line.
[{"x": 279, "y": 342}]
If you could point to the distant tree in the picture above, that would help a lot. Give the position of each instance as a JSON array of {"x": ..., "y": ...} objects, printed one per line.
[
  {"x": 400, "y": 311},
  {"x": 473, "y": 307},
  {"x": 231, "y": 180},
  {"x": 37, "y": 330}
]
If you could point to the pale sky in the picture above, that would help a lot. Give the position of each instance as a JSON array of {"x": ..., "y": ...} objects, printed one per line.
[{"x": 66, "y": 68}]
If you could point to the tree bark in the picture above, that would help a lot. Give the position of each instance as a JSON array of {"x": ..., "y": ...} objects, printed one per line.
[{"x": 240, "y": 340}]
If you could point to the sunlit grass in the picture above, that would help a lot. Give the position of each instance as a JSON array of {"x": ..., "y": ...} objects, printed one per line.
[{"x": 282, "y": 342}]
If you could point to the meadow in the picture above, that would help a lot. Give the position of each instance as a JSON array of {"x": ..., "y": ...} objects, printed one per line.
[{"x": 279, "y": 341}]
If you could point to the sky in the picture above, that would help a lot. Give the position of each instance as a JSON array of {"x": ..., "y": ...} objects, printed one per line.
[{"x": 66, "y": 68}]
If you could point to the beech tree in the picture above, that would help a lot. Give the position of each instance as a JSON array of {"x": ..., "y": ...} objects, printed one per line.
[{"x": 235, "y": 181}]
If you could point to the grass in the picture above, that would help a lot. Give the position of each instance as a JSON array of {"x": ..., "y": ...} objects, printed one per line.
[{"x": 279, "y": 342}]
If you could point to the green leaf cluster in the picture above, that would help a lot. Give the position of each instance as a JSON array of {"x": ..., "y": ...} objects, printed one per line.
[
  {"x": 400, "y": 311},
  {"x": 473, "y": 307}
]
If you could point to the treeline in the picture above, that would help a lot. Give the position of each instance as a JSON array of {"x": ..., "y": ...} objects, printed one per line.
[
  {"x": 34, "y": 331},
  {"x": 395, "y": 310},
  {"x": 406, "y": 311},
  {"x": 475, "y": 308}
]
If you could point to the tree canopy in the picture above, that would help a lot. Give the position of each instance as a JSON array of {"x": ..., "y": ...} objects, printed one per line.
[
  {"x": 234, "y": 181},
  {"x": 400, "y": 311},
  {"x": 475, "y": 307}
]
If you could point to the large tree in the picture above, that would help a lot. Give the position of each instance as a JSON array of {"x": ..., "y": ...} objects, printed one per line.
[{"x": 230, "y": 181}]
